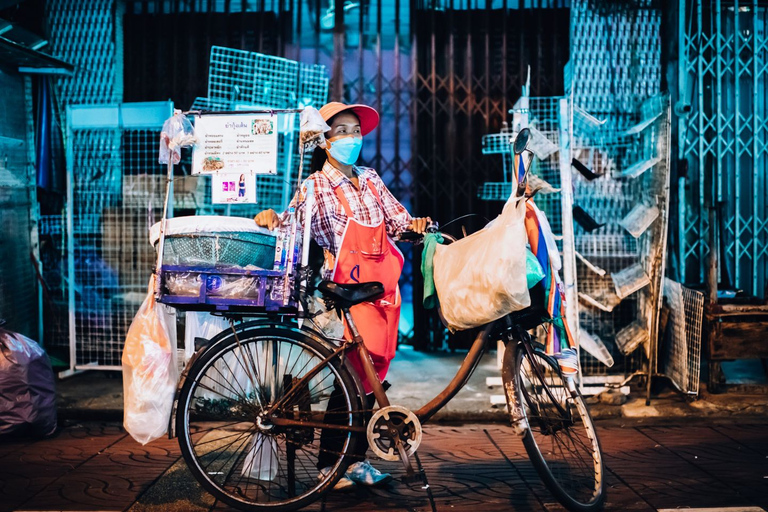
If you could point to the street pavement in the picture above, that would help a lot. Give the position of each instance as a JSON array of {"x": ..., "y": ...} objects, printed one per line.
[{"x": 701, "y": 463}]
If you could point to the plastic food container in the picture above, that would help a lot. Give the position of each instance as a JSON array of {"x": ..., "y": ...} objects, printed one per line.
[{"x": 214, "y": 263}]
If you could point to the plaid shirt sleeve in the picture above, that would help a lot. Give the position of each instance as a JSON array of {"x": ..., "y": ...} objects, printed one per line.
[
  {"x": 396, "y": 217},
  {"x": 321, "y": 230},
  {"x": 328, "y": 224}
]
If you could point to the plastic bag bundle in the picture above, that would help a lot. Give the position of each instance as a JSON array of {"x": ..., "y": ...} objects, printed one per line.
[
  {"x": 150, "y": 374},
  {"x": 327, "y": 321},
  {"x": 313, "y": 128},
  {"x": 482, "y": 277},
  {"x": 261, "y": 461},
  {"x": 177, "y": 133},
  {"x": 199, "y": 324},
  {"x": 27, "y": 391}
]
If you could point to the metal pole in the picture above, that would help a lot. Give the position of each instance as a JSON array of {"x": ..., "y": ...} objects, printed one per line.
[
  {"x": 71, "y": 242},
  {"x": 566, "y": 201},
  {"x": 700, "y": 140},
  {"x": 396, "y": 115},
  {"x": 338, "y": 51},
  {"x": 755, "y": 154},
  {"x": 719, "y": 103},
  {"x": 161, "y": 240},
  {"x": 736, "y": 153},
  {"x": 309, "y": 202},
  {"x": 682, "y": 132}
]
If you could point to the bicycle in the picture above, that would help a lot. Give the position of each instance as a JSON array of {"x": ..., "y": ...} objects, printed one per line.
[{"x": 253, "y": 411}]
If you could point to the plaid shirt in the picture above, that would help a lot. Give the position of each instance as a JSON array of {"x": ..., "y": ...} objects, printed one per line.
[{"x": 328, "y": 216}]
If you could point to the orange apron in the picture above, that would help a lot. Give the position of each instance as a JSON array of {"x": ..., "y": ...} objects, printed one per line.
[{"x": 367, "y": 254}]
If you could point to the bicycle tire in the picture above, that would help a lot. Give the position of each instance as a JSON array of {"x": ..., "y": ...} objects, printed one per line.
[
  {"x": 561, "y": 442},
  {"x": 218, "y": 416}
]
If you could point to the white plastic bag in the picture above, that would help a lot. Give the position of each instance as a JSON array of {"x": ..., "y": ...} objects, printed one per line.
[
  {"x": 327, "y": 321},
  {"x": 150, "y": 374},
  {"x": 230, "y": 377},
  {"x": 177, "y": 133},
  {"x": 261, "y": 461},
  {"x": 482, "y": 277},
  {"x": 199, "y": 324},
  {"x": 313, "y": 128}
]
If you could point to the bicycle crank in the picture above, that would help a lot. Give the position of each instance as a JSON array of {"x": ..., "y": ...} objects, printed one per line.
[{"x": 390, "y": 424}]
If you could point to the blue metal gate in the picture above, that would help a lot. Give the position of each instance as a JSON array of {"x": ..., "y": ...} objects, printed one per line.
[{"x": 723, "y": 140}]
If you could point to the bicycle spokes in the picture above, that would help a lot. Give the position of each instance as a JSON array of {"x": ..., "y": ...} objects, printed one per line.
[
  {"x": 562, "y": 441},
  {"x": 263, "y": 415}
]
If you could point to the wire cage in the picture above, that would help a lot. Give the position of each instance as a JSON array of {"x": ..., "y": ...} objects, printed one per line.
[
  {"x": 116, "y": 195},
  {"x": 545, "y": 120},
  {"x": 118, "y": 191},
  {"x": 622, "y": 260},
  {"x": 620, "y": 257},
  {"x": 681, "y": 344},
  {"x": 242, "y": 80}
]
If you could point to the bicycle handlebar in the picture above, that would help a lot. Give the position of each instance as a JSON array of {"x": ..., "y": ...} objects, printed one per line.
[{"x": 412, "y": 236}]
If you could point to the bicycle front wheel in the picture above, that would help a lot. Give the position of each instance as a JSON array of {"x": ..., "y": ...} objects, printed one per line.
[
  {"x": 229, "y": 413},
  {"x": 561, "y": 440}
]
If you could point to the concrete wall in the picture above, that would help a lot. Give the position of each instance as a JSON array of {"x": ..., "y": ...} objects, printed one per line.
[{"x": 18, "y": 282}]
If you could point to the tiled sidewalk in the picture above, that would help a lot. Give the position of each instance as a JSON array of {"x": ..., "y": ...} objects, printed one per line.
[{"x": 96, "y": 466}]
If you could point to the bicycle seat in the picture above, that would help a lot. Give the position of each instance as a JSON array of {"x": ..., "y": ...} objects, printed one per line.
[{"x": 347, "y": 295}]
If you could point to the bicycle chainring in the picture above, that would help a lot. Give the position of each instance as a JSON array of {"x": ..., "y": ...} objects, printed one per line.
[{"x": 390, "y": 423}]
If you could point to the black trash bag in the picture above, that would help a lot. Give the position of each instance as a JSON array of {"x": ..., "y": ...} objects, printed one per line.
[{"x": 27, "y": 390}]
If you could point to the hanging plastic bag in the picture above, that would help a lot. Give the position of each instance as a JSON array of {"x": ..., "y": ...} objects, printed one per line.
[
  {"x": 533, "y": 269},
  {"x": 27, "y": 390},
  {"x": 228, "y": 369},
  {"x": 199, "y": 324},
  {"x": 313, "y": 128},
  {"x": 326, "y": 320},
  {"x": 482, "y": 277},
  {"x": 261, "y": 461},
  {"x": 150, "y": 374},
  {"x": 177, "y": 133}
]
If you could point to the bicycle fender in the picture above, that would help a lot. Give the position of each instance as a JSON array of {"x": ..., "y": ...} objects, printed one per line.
[{"x": 518, "y": 421}]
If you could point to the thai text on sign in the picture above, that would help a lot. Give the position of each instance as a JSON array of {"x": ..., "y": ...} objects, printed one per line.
[{"x": 239, "y": 143}]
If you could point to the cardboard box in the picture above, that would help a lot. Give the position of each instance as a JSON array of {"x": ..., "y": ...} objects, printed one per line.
[{"x": 125, "y": 242}]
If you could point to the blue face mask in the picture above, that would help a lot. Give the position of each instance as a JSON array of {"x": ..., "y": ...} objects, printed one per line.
[{"x": 346, "y": 149}]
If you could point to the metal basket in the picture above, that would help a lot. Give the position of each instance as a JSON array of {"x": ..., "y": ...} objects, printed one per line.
[{"x": 223, "y": 249}]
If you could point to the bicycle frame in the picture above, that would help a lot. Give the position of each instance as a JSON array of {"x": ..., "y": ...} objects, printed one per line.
[{"x": 426, "y": 412}]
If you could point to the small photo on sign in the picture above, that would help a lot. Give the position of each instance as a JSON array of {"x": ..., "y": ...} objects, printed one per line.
[
  {"x": 212, "y": 163},
  {"x": 262, "y": 127},
  {"x": 233, "y": 188}
]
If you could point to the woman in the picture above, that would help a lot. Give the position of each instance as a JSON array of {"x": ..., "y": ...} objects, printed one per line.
[{"x": 354, "y": 213}]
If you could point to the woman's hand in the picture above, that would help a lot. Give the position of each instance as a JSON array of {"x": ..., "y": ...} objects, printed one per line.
[
  {"x": 419, "y": 224},
  {"x": 267, "y": 219}
]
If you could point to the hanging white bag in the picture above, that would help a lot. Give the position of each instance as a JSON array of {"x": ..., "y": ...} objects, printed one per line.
[
  {"x": 482, "y": 277},
  {"x": 261, "y": 461},
  {"x": 150, "y": 374}
]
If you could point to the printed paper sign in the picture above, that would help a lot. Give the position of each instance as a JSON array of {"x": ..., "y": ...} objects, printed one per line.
[
  {"x": 235, "y": 144},
  {"x": 233, "y": 188}
]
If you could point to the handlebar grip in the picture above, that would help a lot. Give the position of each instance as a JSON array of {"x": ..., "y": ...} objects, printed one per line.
[{"x": 410, "y": 236}]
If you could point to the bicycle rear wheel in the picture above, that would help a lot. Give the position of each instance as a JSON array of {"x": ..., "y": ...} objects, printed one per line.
[
  {"x": 561, "y": 440},
  {"x": 238, "y": 451}
]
